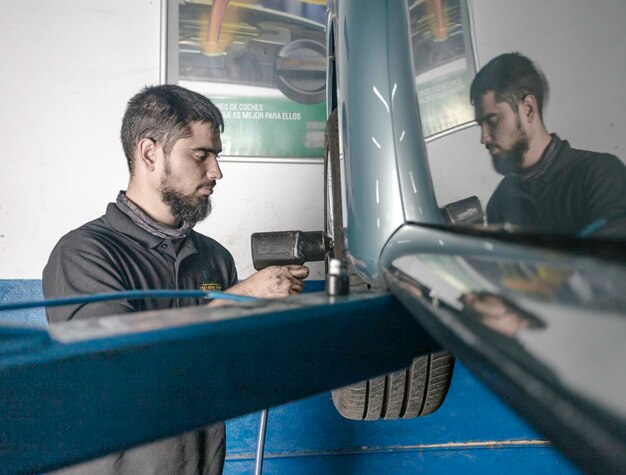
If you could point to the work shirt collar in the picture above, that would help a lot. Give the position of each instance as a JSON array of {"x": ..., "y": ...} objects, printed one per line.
[
  {"x": 121, "y": 222},
  {"x": 145, "y": 222},
  {"x": 548, "y": 165}
]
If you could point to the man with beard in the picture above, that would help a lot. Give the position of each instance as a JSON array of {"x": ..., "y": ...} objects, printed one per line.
[
  {"x": 548, "y": 186},
  {"x": 145, "y": 240}
]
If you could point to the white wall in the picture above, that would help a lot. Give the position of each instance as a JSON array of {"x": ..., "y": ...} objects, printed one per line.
[{"x": 68, "y": 67}]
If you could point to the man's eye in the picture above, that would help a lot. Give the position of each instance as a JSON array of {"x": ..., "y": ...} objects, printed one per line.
[{"x": 200, "y": 158}]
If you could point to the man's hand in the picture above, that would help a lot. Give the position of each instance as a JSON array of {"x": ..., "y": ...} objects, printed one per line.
[{"x": 271, "y": 282}]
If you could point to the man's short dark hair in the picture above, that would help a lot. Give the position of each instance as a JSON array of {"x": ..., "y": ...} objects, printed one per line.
[
  {"x": 512, "y": 77},
  {"x": 164, "y": 114}
]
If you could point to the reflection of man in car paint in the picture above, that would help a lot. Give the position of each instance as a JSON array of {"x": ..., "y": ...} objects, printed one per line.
[
  {"x": 498, "y": 314},
  {"x": 547, "y": 186}
]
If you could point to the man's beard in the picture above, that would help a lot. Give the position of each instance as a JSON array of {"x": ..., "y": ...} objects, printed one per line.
[
  {"x": 185, "y": 208},
  {"x": 510, "y": 161}
]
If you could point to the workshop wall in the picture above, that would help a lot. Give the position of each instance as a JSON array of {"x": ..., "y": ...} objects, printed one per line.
[{"x": 68, "y": 67}]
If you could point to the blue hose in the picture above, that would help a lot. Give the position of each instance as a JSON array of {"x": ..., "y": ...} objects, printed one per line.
[{"x": 129, "y": 294}]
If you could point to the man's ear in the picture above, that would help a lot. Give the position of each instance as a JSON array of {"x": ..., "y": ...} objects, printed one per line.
[
  {"x": 530, "y": 109},
  {"x": 147, "y": 153}
]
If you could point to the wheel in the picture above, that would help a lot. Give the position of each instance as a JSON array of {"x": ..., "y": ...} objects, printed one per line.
[{"x": 418, "y": 390}]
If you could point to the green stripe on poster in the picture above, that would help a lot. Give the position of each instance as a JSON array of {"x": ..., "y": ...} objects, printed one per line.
[{"x": 272, "y": 127}]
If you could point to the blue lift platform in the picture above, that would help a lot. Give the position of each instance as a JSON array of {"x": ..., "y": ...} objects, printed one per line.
[{"x": 83, "y": 389}]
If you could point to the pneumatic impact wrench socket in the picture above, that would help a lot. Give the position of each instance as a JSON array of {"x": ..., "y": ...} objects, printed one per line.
[{"x": 337, "y": 279}]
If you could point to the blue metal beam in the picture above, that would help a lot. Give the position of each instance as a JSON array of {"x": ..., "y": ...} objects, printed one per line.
[{"x": 88, "y": 388}]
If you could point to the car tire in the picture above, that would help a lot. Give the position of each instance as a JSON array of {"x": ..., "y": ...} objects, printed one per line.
[{"x": 415, "y": 391}]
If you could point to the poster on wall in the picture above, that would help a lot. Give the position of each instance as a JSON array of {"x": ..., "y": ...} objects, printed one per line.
[
  {"x": 443, "y": 62},
  {"x": 263, "y": 62}
]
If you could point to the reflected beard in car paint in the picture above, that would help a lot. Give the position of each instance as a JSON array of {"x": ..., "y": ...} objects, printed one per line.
[
  {"x": 508, "y": 161},
  {"x": 185, "y": 208}
]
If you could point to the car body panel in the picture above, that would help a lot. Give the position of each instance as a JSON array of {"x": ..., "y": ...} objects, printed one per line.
[
  {"x": 387, "y": 179},
  {"x": 557, "y": 354},
  {"x": 550, "y": 343},
  {"x": 373, "y": 199}
]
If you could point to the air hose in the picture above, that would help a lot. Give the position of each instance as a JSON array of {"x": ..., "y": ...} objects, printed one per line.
[{"x": 127, "y": 295}]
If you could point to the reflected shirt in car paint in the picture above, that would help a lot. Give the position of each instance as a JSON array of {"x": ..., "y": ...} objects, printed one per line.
[{"x": 567, "y": 190}]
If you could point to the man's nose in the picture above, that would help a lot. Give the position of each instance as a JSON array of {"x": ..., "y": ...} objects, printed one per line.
[
  {"x": 214, "y": 172},
  {"x": 485, "y": 136}
]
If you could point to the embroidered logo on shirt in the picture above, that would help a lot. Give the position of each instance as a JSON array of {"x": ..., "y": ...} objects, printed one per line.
[{"x": 208, "y": 286}]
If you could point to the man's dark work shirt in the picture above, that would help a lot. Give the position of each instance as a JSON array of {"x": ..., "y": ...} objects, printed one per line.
[
  {"x": 111, "y": 254},
  {"x": 565, "y": 192}
]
